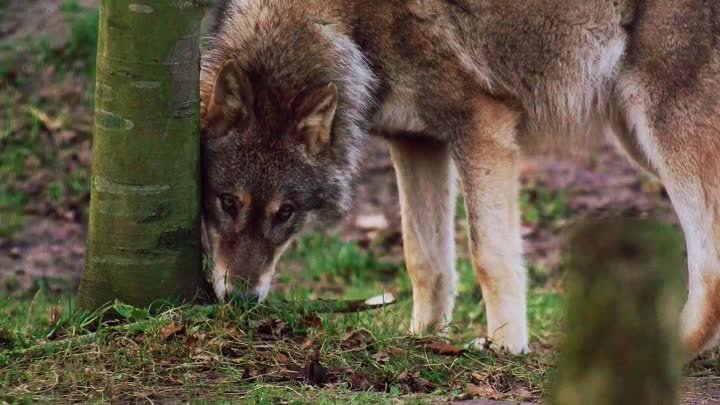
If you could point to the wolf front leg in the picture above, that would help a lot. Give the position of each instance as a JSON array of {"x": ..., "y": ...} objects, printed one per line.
[
  {"x": 487, "y": 157},
  {"x": 427, "y": 184}
]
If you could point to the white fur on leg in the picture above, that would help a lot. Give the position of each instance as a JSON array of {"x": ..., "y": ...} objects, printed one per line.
[
  {"x": 498, "y": 262},
  {"x": 699, "y": 225},
  {"x": 488, "y": 162},
  {"x": 427, "y": 184},
  {"x": 690, "y": 183}
]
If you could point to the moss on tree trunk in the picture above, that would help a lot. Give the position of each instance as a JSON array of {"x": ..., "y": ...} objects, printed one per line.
[{"x": 144, "y": 230}]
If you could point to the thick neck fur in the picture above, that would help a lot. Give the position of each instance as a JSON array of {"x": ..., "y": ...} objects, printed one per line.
[{"x": 287, "y": 47}]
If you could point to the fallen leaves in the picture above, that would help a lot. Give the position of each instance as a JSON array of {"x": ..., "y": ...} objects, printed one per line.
[
  {"x": 315, "y": 373},
  {"x": 381, "y": 357},
  {"x": 415, "y": 383},
  {"x": 497, "y": 384},
  {"x": 307, "y": 343},
  {"x": 191, "y": 342},
  {"x": 52, "y": 124},
  {"x": 311, "y": 321},
  {"x": 357, "y": 340},
  {"x": 358, "y": 381},
  {"x": 487, "y": 391},
  {"x": 282, "y": 358},
  {"x": 444, "y": 349},
  {"x": 272, "y": 329},
  {"x": 171, "y": 330},
  {"x": 484, "y": 391}
]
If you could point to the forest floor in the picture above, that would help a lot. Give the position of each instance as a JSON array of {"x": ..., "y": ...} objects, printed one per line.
[{"x": 265, "y": 354}]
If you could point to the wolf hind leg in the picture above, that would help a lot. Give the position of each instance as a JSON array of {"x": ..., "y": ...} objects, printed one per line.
[{"x": 685, "y": 153}]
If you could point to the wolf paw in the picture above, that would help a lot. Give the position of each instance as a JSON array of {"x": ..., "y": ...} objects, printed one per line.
[{"x": 487, "y": 344}]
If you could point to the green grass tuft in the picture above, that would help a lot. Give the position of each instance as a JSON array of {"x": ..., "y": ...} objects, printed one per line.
[{"x": 83, "y": 35}]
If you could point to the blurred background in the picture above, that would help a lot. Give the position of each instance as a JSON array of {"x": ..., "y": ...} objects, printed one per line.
[{"x": 47, "y": 58}]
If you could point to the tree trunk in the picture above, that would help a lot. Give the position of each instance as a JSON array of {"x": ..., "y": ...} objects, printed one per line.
[
  {"x": 144, "y": 230},
  {"x": 625, "y": 295}
]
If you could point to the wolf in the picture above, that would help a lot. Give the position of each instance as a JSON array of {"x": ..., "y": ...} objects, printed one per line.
[{"x": 291, "y": 89}]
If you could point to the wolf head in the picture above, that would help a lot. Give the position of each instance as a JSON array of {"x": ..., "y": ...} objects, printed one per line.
[{"x": 283, "y": 102}]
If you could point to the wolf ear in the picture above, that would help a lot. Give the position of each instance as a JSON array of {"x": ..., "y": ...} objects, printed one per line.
[
  {"x": 315, "y": 113},
  {"x": 231, "y": 99}
]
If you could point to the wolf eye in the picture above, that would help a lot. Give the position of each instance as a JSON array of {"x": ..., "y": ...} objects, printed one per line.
[
  {"x": 229, "y": 204},
  {"x": 284, "y": 214}
]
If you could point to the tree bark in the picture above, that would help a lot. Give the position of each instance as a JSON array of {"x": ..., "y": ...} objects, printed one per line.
[{"x": 144, "y": 225}]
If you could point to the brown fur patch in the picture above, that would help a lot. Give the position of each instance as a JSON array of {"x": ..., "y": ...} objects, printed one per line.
[
  {"x": 245, "y": 199},
  {"x": 711, "y": 319},
  {"x": 272, "y": 208},
  {"x": 487, "y": 148},
  {"x": 710, "y": 176},
  {"x": 484, "y": 278}
]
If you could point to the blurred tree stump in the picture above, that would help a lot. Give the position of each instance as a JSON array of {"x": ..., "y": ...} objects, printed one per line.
[{"x": 625, "y": 295}]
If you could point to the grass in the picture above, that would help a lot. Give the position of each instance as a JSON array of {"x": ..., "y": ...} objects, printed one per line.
[
  {"x": 82, "y": 40},
  {"x": 275, "y": 354},
  {"x": 265, "y": 354},
  {"x": 542, "y": 206},
  {"x": 15, "y": 152}
]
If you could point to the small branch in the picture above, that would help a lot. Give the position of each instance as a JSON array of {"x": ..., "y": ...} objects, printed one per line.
[{"x": 338, "y": 307}]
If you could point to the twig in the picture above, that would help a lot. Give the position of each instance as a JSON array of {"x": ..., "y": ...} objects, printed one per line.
[{"x": 337, "y": 307}]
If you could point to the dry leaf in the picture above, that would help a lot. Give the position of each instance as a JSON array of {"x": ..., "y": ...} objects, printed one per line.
[
  {"x": 357, "y": 339},
  {"x": 311, "y": 321},
  {"x": 271, "y": 329},
  {"x": 444, "y": 349},
  {"x": 482, "y": 391},
  {"x": 171, "y": 330},
  {"x": 523, "y": 394},
  {"x": 415, "y": 383},
  {"x": 381, "y": 357},
  {"x": 357, "y": 381},
  {"x": 397, "y": 350},
  {"x": 308, "y": 343},
  {"x": 52, "y": 124},
  {"x": 191, "y": 341},
  {"x": 282, "y": 359}
]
